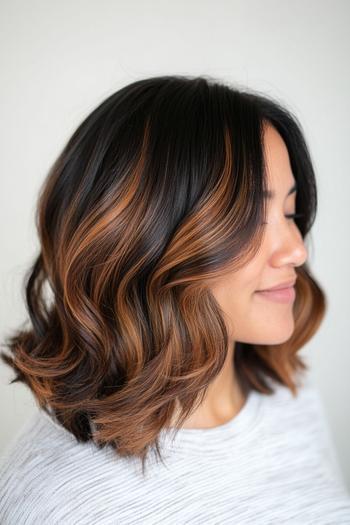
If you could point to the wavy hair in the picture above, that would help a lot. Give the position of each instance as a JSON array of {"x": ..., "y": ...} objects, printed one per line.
[{"x": 158, "y": 191}]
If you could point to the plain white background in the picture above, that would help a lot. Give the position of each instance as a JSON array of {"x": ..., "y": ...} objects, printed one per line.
[{"x": 59, "y": 59}]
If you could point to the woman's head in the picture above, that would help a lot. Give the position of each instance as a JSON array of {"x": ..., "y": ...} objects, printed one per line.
[{"x": 152, "y": 244}]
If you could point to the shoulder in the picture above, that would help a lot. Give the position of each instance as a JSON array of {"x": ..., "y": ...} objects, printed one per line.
[
  {"x": 306, "y": 407},
  {"x": 43, "y": 470},
  {"x": 292, "y": 412},
  {"x": 301, "y": 422},
  {"x": 30, "y": 467}
]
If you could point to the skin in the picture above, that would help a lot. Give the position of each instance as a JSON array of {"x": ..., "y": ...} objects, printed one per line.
[{"x": 256, "y": 319}]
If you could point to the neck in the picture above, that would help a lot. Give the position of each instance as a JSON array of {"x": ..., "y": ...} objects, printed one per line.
[{"x": 223, "y": 399}]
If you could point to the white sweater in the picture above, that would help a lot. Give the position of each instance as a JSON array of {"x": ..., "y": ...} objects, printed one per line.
[{"x": 273, "y": 463}]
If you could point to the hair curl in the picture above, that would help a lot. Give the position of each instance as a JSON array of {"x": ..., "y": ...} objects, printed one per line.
[{"x": 123, "y": 322}]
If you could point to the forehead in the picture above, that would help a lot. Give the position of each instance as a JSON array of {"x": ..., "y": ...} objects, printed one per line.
[{"x": 279, "y": 174}]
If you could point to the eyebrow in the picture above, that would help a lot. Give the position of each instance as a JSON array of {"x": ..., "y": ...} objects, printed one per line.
[{"x": 271, "y": 194}]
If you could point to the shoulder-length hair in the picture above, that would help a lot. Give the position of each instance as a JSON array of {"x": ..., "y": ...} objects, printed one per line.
[{"x": 158, "y": 191}]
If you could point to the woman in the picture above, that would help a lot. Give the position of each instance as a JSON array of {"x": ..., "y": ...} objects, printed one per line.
[{"x": 172, "y": 209}]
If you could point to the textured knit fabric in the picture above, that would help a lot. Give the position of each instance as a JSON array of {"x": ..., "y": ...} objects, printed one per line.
[{"x": 273, "y": 463}]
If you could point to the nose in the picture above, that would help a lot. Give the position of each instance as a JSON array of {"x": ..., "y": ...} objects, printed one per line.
[{"x": 290, "y": 249}]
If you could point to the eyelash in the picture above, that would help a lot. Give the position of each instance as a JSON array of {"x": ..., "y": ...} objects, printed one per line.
[
  {"x": 291, "y": 216},
  {"x": 294, "y": 215}
]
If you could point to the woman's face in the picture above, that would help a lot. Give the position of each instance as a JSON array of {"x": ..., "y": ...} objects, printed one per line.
[{"x": 253, "y": 317}]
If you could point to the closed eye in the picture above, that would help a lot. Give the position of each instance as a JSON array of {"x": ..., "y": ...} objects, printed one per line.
[{"x": 294, "y": 215}]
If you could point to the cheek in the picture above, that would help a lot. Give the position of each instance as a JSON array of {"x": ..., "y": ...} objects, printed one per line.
[
  {"x": 237, "y": 309},
  {"x": 235, "y": 294}
]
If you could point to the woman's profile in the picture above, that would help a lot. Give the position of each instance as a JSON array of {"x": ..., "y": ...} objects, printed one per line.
[{"x": 167, "y": 307}]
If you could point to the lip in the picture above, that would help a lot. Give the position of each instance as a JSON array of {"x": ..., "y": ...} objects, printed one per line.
[
  {"x": 281, "y": 286},
  {"x": 281, "y": 295}
]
